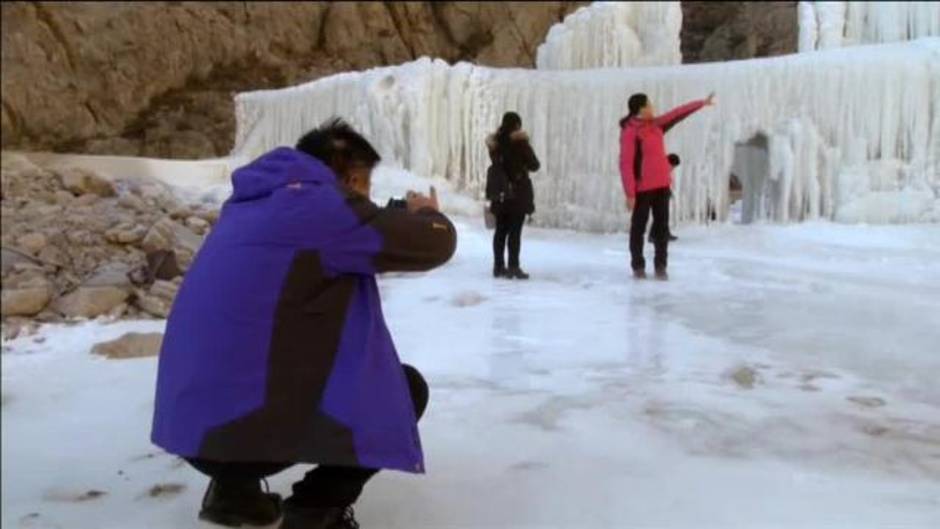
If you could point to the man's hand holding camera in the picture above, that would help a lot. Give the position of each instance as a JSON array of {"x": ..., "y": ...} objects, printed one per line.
[{"x": 417, "y": 201}]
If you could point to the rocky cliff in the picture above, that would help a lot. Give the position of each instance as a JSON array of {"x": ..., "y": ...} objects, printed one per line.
[
  {"x": 723, "y": 31},
  {"x": 157, "y": 78}
]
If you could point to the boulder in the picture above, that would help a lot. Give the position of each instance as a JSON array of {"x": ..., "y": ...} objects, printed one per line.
[
  {"x": 133, "y": 202},
  {"x": 10, "y": 257},
  {"x": 126, "y": 233},
  {"x": 131, "y": 345},
  {"x": 90, "y": 302},
  {"x": 86, "y": 200},
  {"x": 168, "y": 235},
  {"x": 99, "y": 295},
  {"x": 32, "y": 242},
  {"x": 27, "y": 298},
  {"x": 160, "y": 236},
  {"x": 64, "y": 198},
  {"x": 111, "y": 274},
  {"x": 82, "y": 181},
  {"x": 158, "y": 300},
  {"x": 198, "y": 225}
]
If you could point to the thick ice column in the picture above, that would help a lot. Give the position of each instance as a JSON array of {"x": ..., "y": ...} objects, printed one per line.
[
  {"x": 614, "y": 34},
  {"x": 830, "y": 19},
  {"x": 809, "y": 29},
  {"x": 827, "y": 25}
]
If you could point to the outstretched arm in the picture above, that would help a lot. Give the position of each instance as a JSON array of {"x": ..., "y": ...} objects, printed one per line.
[{"x": 674, "y": 116}]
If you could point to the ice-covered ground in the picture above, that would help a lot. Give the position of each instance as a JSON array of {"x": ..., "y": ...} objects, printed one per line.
[{"x": 579, "y": 399}]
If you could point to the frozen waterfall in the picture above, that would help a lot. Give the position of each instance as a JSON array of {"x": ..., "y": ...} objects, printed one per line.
[
  {"x": 852, "y": 134},
  {"x": 614, "y": 34},
  {"x": 827, "y": 25}
]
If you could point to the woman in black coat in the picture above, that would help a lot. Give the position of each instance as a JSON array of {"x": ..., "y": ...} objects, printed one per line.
[{"x": 509, "y": 190}]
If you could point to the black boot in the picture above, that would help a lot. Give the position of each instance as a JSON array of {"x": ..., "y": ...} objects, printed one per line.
[
  {"x": 517, "y": 273},
  {"x": 239, "y": 503},
  {"x": 300, "y": 517},
  {"x": 499, "y": 271},
  {"x": 661, "y": 274},
  {"x": 669, "y": 235},
  {"x": 639, "y": 273}
]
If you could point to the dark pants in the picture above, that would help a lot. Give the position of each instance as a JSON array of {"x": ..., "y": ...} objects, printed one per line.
[
  {"x": 656, "y": 201},
  {"x": 508, "y": 225},
  {"x": 325, "y": 485}
]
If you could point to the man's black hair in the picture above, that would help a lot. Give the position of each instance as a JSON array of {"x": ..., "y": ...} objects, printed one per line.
[{"x": 337, "y": 144}]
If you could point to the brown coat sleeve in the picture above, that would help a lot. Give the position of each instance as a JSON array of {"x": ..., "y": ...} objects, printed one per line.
[{"x": 411, "y": 242}]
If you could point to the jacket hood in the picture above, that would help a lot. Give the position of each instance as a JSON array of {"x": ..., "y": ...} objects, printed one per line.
[{"x": 276, "y": 169}]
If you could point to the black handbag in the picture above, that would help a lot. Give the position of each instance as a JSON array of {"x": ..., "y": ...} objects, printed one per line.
[{"x": 499, "y": 188}]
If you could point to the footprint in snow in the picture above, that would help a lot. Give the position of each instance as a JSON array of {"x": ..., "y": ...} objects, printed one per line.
[
  {"x": 165, "y": 490},
  {"x": 467, "y": 299},
  {"x": 868, "y": 402},
  {"x": 73, "y": 496},
  {"x": 148, "y": 455},
  {"x": 524, "y": 466},
  {"x": 34, "y": 520}
]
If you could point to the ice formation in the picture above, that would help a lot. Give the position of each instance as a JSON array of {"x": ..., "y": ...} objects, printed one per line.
[
  {"x": 827, "y": 25},
  {"x": 852, "y": 134},
  {"x": 614, "y": 34}
]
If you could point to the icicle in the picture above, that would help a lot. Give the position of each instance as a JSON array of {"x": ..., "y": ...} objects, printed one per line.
[
  {"x": 809, "y": 29},
  {"x": 827, "y": 25},
  {"x": 839, "y": 113},
  {"x": 614, "y": 34}
]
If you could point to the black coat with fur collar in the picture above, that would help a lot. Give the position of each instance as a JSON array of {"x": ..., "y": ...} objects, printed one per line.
[{"x": 517, "y": 160}]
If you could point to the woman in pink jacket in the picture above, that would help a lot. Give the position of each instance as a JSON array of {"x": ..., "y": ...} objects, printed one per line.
[{"x": 646, "y": 175}]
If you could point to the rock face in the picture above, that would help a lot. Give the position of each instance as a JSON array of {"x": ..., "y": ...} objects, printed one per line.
[
  {"x": 156, "y": 78},
  {"x": 723, "y": 31}
]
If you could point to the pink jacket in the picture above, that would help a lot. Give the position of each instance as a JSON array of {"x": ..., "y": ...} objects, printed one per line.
[{"x": 643, "y": 163}]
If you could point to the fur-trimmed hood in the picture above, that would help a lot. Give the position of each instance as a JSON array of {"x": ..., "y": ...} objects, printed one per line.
[{"x": 519, "y": 135}]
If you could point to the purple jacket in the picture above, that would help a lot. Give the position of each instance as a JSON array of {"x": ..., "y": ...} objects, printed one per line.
[{"x": 276, "y": 348}]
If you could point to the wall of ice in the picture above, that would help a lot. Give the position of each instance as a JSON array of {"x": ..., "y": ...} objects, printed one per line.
[
  {"x": 827, "y": 25},
  {"x": 614, "y": 34},
  {"x": 853, "y": 134}
]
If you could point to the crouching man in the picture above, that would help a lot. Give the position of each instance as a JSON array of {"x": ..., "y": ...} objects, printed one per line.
[{"x": 276, "y": 351}]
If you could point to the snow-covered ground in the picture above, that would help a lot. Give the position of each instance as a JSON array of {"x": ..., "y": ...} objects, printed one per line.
[{"x": 579, "y": 399}]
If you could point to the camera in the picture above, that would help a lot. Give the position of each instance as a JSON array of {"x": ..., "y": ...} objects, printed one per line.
[{"x": 397, "y": 203}]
